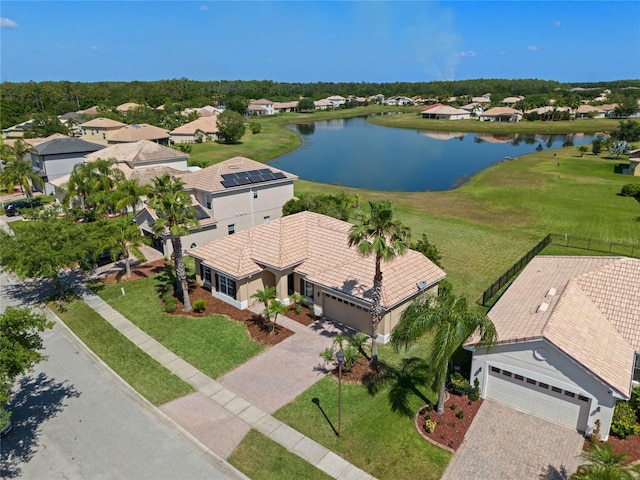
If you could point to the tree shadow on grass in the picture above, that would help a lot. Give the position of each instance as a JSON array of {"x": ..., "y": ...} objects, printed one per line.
[
  {"x": 402, "y": 382},
  {"x": 37, "y": 399},
  {"x": 165, "y": 280}
]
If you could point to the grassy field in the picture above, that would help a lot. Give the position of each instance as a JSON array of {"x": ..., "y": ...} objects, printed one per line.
[
  {"x": 153, "y": 381},
  {"x": 260, "y": 458},
  {"x": 214, "y": 345}
]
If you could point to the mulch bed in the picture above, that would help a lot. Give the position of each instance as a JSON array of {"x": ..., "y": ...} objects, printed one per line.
[
  {"x": 305, "y": 317},
  {"x": 629, "y": 446},
  {"x": 450, "y": 430},
  {"x": 257, "y": 327}
]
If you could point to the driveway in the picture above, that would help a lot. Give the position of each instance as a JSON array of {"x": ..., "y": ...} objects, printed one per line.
[{"x": 505, "y": 444}]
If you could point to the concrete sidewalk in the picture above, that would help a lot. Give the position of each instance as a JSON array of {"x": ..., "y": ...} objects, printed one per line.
[{"x": 219, "y": 414}]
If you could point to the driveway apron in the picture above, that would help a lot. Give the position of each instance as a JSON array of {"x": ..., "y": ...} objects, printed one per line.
[{"x": 505, "y": 444}]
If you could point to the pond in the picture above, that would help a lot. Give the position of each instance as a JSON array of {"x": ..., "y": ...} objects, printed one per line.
[{"x": 354, "y": 153}]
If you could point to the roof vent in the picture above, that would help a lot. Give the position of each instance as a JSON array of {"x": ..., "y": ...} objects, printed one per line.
[
  {"x": 543, "y": 307},
  {"x": 233, "y": 166},
  {"x": 551, "y": 292},
  {"x": 422, "y": 285}
]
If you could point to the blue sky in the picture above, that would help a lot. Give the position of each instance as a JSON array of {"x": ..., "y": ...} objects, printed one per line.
[{"x": 327, "y": 41}]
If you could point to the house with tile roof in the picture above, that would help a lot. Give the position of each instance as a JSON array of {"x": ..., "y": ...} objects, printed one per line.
[
  {"x": 56, "y": 158},
  {"x": 261, "y": 107},
  {"x": 500, "y": 114},
  {"x": 634, "y": 162},
  {"x": 100, "y": 130},
  {"x": 444, "y": 112},
  {"x": 230, "y": 197},
  {"x": 139, "y": 131},
  {"x": 204, "y": 128},
  {"x": 309, "y": 254},
  {"x": 125, "y": 107},
  {"x": 568, "y": 341},
  {"x": 589, "y": 111}
]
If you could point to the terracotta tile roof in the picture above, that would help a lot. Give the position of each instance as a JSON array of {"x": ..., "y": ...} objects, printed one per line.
[
  {"x": 125, "y": 107},
  {"x": 262, "y": 101},
  {"x": 209, "y": 179},
  {"x": 496, "y": 111},
  {"x": 143, "y": 151},
  {"x": 318, "y": 245},
  {"x": 135, "y": 132},
  {"x": 444, "y": 110},
  {"x": 102, "y": 123},
  {"x": 206, "y": 125},
  {"x": 587, "y": 306},
  {"x": 589, "y": 108}
]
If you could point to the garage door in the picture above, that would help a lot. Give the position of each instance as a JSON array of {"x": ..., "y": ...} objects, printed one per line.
[
  {"x": 537, "y": 398},
  {"x": 347, "y": 313}
]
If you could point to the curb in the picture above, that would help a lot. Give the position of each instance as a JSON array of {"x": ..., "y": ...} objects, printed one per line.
[{"x": 204, "y": 452}]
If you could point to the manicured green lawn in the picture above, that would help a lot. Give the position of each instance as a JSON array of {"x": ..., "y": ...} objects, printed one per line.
[
  {"x": 143, "y": 373},
  {"x": 260, "y": 458},
  {"x": 214, "y": 344}
]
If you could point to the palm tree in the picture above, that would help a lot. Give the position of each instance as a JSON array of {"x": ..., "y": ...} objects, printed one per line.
[
  {"x": 18, "y": 171},
  {"x": 131, "y": 194},
  {"x": 603, "y": 464},
  {"x": 128, "y": 238},
  {"x": 265, "y": 296},
  {"x": 450, "y": 322},
  {"x": 175, "y": 215},
  {"x": 378, "y": 233},
  {"x": 277, "y": 308},
  {"x": 80, "y": 184}
]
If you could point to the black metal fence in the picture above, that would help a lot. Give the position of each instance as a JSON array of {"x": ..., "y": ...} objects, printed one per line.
[
  {"x": 511, "y": 272},
  {"x": 626, "y": 247}
]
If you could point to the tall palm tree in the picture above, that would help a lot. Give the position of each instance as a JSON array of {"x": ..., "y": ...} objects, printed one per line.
[
  {"x": 18, "y": 171},
  {"x": 175, "y": 215},
  {"x": 131, "y": 194},
  {"x": 377, "y": 233},
  {"x": 80, "y": 185},
  {"x": 128, "y": 238},
  {"x": 449, "y": 321},
  {"x": 603, "y": 464}
]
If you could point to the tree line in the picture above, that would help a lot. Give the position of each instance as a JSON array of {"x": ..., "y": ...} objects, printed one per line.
[{"x": 21, "y": 101}]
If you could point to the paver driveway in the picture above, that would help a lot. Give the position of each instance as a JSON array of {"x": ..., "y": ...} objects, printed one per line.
[{"x": 505, "y": 444}]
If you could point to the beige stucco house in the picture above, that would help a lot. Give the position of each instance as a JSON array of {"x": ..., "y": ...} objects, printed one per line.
[
  {"x": 308, "y": 253},
  {"x": 569, "y": 341},
  {"x": 634, "y": 162},
  {"x": 445, "y": 112},
  {"x": 500, "y": 114},
  {"x": 100, "y": 130},
  {"x": 137, "y": 132},
  {"x": 229, "y": 197},
  {"x": 204, "y": 128},
  {"x": 261, "y": 107}
]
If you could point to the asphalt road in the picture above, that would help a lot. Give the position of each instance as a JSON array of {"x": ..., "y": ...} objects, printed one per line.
[{"x": 74, "y": 420}]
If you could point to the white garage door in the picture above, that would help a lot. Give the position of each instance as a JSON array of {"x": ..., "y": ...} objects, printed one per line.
[{"x": 540, "y": 399}]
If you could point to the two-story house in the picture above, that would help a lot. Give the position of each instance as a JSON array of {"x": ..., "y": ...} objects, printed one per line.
[{"x": 100, "y": 130}]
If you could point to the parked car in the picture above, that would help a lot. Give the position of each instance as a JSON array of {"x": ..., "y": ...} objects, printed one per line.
[{"x": 12, "y": 209}]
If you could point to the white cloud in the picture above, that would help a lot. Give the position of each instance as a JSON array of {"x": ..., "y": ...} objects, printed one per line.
[
  {"x": 556, "y": 24},
  {"x": 532, "y": 48},
  {"x": 7, "y": 23},
  {"x": 468, "y": 53}
]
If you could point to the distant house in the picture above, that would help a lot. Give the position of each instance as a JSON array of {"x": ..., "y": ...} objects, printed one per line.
[
  {"x": 444, "y": 112},
  {"x": 484, "y": 99},
  {"x": 308, "y": 253},
  {"x": 589, "y": 111},
  {"x": 399, "y": 101},
  {"x": 125, "y": 107},
  {"x": 500, "y": 114},
  {"x": 17, "y": 131},
  {"x": 634, "y": 163},
  {"x": 280, "y": 107},
  {"x": 336, "y": 100},
  {"x": 56, "y": 158},
  {"x": 473, "y": 108},
  {"x": 322, "y": 104},
  {"x": 100, "y": 130},
  {"x": 568, "y": 341},
  {"x": 261, "y": 107},
  {"x": 137, "y": 132},
  {"x": 510, "y": 101},
  {"x": 203, "y": 129},
  {"x": 91, "y": 111},
  {"x": 229, "y": 196}
]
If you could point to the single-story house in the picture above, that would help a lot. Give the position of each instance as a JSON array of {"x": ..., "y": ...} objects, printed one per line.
[
  {"x": 125, "y": 107},
  {"x": 100, "y": 130},
  {"x": 484, "y": 99},
  {"x": 399, "y": 100},
  {"x": 445, "y": 112},
  {"x": 204, "y": 128},
  {"x": 308, "y": 253},
  {"x": 280, "y": 107},
  {"x": 56, "y": 158},
  {"x": 568, "y": 341},
  {"x": 229, "y": 196},
  {"x": 137, "y": 132},
  {"x": 510, "y": 101},
  {"x": 91, "y": 111},
  {"x": 634, "y": 162},
  {"x": 589, "y": 111},
  {"x": 500, "y": 114}
]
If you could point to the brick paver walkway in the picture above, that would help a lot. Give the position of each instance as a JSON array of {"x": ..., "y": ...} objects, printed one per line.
[{"x": 505, "y": 444}]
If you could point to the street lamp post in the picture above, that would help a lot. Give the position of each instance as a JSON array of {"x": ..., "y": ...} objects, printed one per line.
[{"x": 340, "y": 360}]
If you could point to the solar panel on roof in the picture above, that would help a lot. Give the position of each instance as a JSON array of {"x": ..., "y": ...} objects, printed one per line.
[
  {"x": 264, "y": 170},
  {"x": 268, "y": 176},
  {"x": 230, "y": 183},
  {"x": 279, "y": 175},
  {"x": 243, "y": 181},
  {"x": 201, "y": 212}
]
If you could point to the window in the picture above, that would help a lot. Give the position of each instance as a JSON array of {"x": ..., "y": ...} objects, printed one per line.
[
  {"x": 306, "y": 288},
  {"x": 266, "y": 218},
  {"x": 495, "y": 370},
  {"x": 205, "y": 274},
  {"x": 506, "y": 373},
  {"x": 104, "y": 136},
  {"x": 636, "y": 370},
  {"x": 570, "y": 394},
  {"x": 556, "y": 389},
  {"x": 255, "y": 194},
  {"x": 226, "y": 285},
  {"x": 543, "y": 385},
  {"x": 208, "y": 203},
  {"x": 518, "y": 377},
  {"x": 531, "y": 381},
  {"x": 583, "y": 398},
  {"x": 231, "y": 229}
]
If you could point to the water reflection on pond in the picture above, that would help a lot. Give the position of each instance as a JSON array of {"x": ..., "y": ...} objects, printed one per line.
[{"x": 355, "y": 153}]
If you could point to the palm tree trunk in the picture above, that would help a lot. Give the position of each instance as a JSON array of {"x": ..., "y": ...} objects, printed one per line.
[
  {"x": 182, "y": 288},
  {"x": 127, "y": 265},
  {"x": 375, "y": 311},
  {"x": 440, "y": 408}
]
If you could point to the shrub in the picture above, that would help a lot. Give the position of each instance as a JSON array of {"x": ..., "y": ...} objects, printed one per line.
[
  {"x": 635, "y": 402},
  {"x": 459, "y": 384},
  {"x": 474, "y": 394},
  {"x": 297, "y": 309},
  {"x": 630, "y": 190},
  {"x": 624, "y": 420},
  {"x": 460, "y": 414},
  {"x": 170, "y": 303},
  {"x": 199, "y": 305},
  {"x": 430, "y": 425},
  {"x": 429, "y": 408},
  {"x": 255, "y": 127},
  {"x": 453, "y": 406}
]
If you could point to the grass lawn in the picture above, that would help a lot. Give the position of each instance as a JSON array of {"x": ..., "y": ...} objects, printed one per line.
[
  {"x": 153, "y": 381},
  {"x": 260, "y": 458},
  {"x": 214, "y": 344}
]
